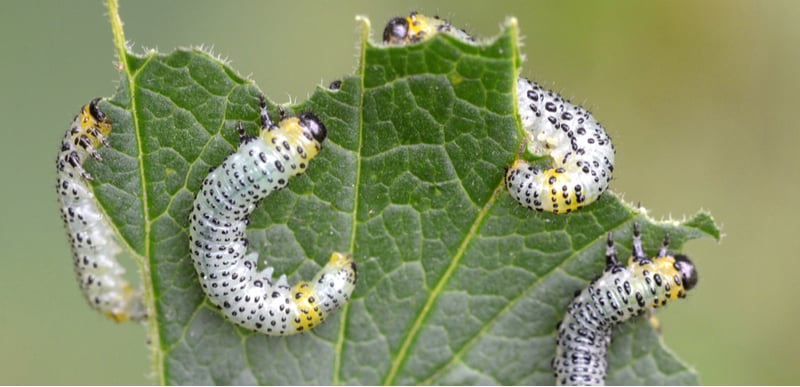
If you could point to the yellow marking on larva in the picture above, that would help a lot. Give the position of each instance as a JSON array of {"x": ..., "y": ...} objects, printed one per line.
[
  {"x": 417, "y": 28},
  {"x": 340, "y": 260},
  {"x": 566, "y": 200},
  {"x": 307, "y": 303},
  {"x": 420, "y": 27},
  {"x": 123, "y": 316},
  {"x": 665, "y": 267},
  {"x": 88, "y": 122},
  {"x": 308, "y": 300},
  {"x": 517, "y": 164},
  {"x": 550, "y": 189},
  {"x": 292, "y": 131}
]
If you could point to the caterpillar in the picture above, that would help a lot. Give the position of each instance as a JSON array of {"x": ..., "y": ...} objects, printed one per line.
[
  {"x": 581, "y": 151},
  {"x": 217, "y": 225},
  {"x": 417, "y": 27},
  {"x": 94, "y": 246},
  {"x": 622, "y": 292}
]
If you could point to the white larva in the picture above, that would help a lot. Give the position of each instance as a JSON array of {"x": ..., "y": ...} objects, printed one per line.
[
  {"x": 581, "y": 151},
  {"x": 229, "y": 277},
  {"x": 620, "y": 293},
  {"x": 94, "y": 245}
]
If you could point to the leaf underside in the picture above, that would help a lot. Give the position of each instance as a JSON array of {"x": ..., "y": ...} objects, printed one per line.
[{"x": 457, "y": 283}]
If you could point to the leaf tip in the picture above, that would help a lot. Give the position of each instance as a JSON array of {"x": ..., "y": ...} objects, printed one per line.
[
  {"x": 366, "y": 25},
  {"x": 704, "y": 222},
  {"x": 512, "y": 22}
]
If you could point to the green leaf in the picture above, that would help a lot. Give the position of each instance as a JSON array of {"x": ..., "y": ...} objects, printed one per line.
[{"x": 457, "y": 283}]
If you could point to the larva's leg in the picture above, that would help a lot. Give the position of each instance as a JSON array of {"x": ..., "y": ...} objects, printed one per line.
[
  {"x": 662, "y": 252},
  {"x": 266, "y": 122},
  {"x": 244, "y": 138},
  {"x": 638, "y": 250},
  {"x": 611, "y": 253},
  {"x": 281, "y": 112}
]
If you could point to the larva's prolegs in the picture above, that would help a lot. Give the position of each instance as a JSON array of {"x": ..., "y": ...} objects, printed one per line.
[
  {"x": 228, "y": 274},
  {"x": 94, "y": 244},
  {"x": 620, "y": 293}
]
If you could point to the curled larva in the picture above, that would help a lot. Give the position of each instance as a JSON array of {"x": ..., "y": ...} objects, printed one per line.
[
  {"x": 581, "y": 151},
  {"x": 229, "y": 277},
  {"x": 94, "y": 244},
  {"x": 622, "y": 292}
]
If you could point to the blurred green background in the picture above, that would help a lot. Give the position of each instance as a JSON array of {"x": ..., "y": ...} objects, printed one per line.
[{"x": 698, "y": 96}]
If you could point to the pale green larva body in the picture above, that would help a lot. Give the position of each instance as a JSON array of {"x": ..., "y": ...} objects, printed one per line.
[
  {"x": 94, "y": 244},
  {"x": 228, "y": 275}
]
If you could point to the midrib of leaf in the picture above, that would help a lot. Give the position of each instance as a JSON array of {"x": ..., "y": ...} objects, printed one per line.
[
  {"x": 433, "y": 296},
  {"x": 156, "y": 355},
  {"x": 345, "y": 312}
]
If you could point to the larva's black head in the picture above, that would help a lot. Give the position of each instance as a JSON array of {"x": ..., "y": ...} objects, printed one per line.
[
  {"x": 95, "y": 111},
  {"x": 314, "y": 125},
  {"x": 687, "y": 270},
  {"x": 396, "y": 30},
  {"x": 335, "y": 85}
]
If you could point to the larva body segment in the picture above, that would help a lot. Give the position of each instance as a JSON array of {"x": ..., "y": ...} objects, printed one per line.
[
  {"x": 228, "y": 275},
  {"x": 622, "y": 292},
  {"x": 94, "y": 244},
  {"x": 581, "y": 152}
]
